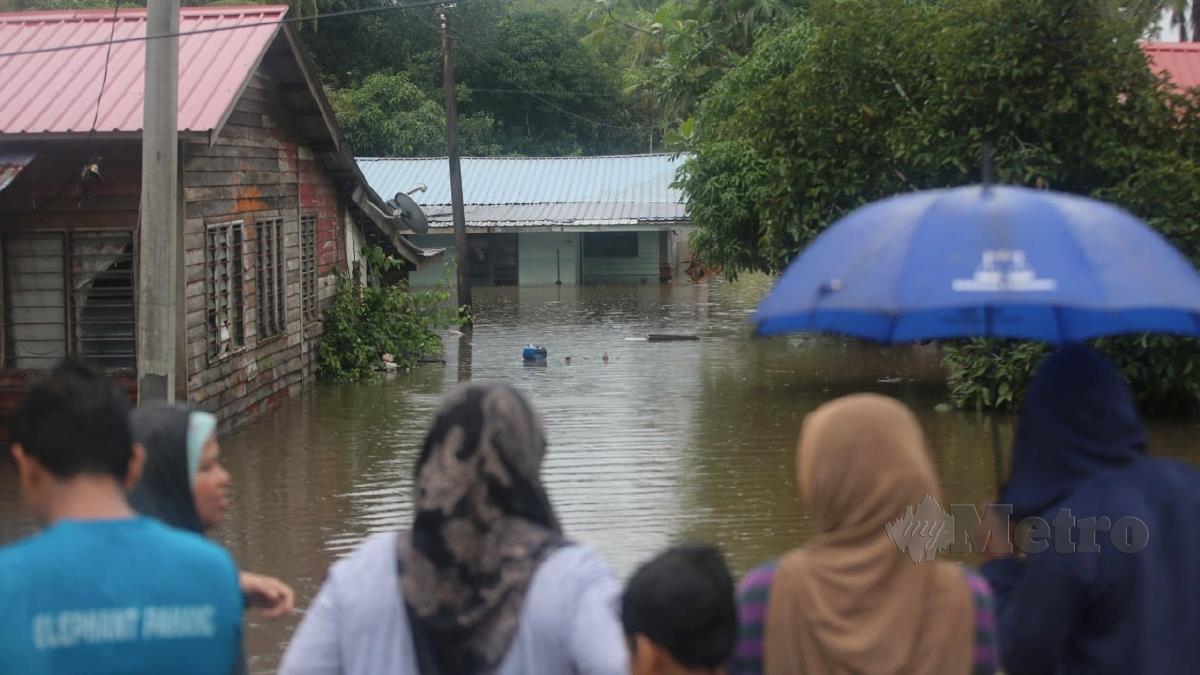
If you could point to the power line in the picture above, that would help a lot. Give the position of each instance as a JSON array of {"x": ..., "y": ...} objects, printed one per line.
[
  {"x": 628, "y": 127},
  {"x": 220, "y": 29},
  {"x": 538, "y": 93}
]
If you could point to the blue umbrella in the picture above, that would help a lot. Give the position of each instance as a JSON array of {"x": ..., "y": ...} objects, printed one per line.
[{"x": 986, "y": 261}]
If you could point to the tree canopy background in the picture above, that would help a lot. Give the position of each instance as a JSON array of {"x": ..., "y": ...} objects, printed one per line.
[{"x": 857, "y": 100}]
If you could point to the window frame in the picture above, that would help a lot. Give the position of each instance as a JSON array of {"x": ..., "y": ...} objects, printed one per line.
[
  {"x": 235, "y": 292},
  {"x": 73, "y": 340},
  {"x": 310, "y": 301},
  {"x": 270, "y": 276},
  {"x": 608, "y": 249}
]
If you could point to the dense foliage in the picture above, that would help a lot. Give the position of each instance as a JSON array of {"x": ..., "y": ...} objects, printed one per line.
[
  {"x": 859, "y": 100},
  {"x": 365, "y": 322},
  {"x": 528, "y": 84},
  {"x": 389, "y": 116}
]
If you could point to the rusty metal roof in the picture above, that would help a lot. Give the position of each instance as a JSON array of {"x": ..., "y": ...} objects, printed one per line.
[
  {"x": 1179, "y": 60},
  {"x": 11, "y": 164},
  {"x": 56, "y": 92}
]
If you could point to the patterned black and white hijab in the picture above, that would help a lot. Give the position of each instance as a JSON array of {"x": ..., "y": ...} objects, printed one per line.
[{"x": 482, "y": 526}]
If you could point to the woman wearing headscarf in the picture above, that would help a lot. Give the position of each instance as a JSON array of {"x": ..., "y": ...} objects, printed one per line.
[
  {"x": 849, "y": 601},
  {"x": 484, "y": 581},
  {"x": 1115, "y": 586},
  {"x": 185, "y": 486}
]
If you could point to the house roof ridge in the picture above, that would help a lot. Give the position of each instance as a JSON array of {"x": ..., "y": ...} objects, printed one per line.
[
  {"x": 518, "y": 158},
  {"x": 127, "y": 13}
]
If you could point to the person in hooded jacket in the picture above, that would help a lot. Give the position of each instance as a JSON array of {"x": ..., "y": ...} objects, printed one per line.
[
  {"x": 1119, "y": 594},
  {"x": 185, "y": 486}
]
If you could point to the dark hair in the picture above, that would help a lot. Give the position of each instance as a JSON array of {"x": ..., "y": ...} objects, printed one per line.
[
  {"x": 73, "y": 420},
  {"x": 683, "y": 600}
]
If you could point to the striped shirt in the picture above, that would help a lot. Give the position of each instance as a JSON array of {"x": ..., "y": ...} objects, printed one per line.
[{"x": 755, "y": 592}]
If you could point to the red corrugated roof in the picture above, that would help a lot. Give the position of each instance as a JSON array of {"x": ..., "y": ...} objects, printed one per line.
[
  {"x": 56, "y": 92},
  {"x": 1179, "y": 60}
]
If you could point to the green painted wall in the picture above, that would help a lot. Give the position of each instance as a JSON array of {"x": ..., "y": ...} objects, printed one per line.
[
  {"x": 642, "y": 269},
  {"x": 536, "y": 252},
  {"x": 547, "y": 257}
]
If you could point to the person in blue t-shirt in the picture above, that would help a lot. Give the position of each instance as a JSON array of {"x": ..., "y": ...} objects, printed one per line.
[{"x": 101, "y": 589}]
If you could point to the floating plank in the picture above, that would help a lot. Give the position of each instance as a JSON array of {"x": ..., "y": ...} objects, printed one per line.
[{"x": 666, "y": 337}]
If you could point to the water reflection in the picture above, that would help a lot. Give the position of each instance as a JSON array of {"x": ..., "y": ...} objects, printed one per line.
[{"x": 664, "y": 442}]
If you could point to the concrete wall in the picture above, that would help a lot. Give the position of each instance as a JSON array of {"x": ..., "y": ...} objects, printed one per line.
[
  {"x": 642, "y": 269},
  {"x": 432, "y": 273},
  {"x": 356, "y": 241},
  {"x": 548, "y": 257}
]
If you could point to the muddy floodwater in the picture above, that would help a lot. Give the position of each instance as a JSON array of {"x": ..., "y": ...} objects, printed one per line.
[{"x": 664, "y": 442}]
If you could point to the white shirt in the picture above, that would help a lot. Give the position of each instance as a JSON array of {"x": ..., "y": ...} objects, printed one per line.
[{"x": 357, "y": 623}]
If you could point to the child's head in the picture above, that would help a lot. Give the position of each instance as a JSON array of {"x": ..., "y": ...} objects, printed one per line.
[{"x": 679, "y": 612}]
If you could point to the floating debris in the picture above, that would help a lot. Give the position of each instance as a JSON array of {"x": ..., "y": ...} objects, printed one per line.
[
  {"x": 668, "y": 337},
  {"x": 533, "y": 353}
]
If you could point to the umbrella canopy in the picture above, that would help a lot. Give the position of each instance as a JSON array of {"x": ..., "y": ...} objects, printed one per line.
[{"x": 986, "y": 261}]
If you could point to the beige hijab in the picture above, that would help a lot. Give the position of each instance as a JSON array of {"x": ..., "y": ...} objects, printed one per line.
[{"x": 850, "y": 601}]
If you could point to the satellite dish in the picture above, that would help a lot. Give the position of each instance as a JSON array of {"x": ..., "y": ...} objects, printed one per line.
[{"x": 410, "y": 214}]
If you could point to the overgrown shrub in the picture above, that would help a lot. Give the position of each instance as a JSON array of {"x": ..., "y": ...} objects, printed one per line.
[
  {"x": 364, "y": 323},
  {"x": 1163, "y": 371}
]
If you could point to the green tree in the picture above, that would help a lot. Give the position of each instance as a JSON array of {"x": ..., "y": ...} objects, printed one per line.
[
  {"x": 387, "y": 115},
  {"x": 862, "y": 99},
  {"x": 679, "y": 48},
  {"x": 547, "y": 90}
]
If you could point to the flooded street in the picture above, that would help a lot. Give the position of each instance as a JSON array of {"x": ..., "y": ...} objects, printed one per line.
[{"x": 664, "y": 442}]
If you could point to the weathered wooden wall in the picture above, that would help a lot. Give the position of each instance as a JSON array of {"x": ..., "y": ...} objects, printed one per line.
[
  {"x": 48, "y": 196},
  {"x": 257, "y": 168}
]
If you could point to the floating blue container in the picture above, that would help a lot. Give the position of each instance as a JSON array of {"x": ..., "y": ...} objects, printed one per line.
[{"x": 533, "y": 353}]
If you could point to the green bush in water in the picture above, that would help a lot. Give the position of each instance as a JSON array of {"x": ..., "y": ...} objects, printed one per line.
[
  {"x": 1163, "y": 371},
  {"x": 364, "y": 323}
]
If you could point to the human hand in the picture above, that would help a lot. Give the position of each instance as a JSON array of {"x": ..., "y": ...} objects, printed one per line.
[{"x": 274, "y": 597}]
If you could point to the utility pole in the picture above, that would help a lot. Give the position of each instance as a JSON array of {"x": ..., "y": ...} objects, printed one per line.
[
  {"x": 462, "y": 253},
  {"x": 159, "y": 222}
]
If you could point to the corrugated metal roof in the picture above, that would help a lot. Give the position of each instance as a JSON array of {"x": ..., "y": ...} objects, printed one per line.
[
  {"x": 1179, "y": 60},
  {"x": 541, "y": 215},
  {"x": 11, "y": 164},
  {"x": 532, "y": 215},
  {"x": 625, "y": 179},
  {"x": 56, "y": 92}
]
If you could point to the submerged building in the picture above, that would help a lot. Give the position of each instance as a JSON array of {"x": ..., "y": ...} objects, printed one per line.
[{"x": 549, "y": 220}]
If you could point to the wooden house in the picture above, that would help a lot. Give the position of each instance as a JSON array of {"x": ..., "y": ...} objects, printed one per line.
[{"x": 272, "y": 202}]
